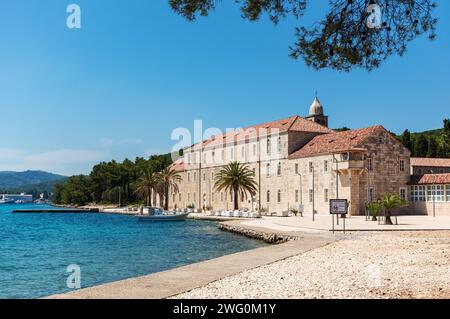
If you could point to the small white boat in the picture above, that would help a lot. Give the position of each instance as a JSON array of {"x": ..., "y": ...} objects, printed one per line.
[
  {"x": 6, "y": 201},
  {"x": 156, "y": 215}
]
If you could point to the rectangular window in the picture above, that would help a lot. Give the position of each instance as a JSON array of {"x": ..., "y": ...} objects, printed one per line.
[
  {"x": 296, "y": 169},
  {"x": 279, "y": 196},
  {"x": 311, "y": 195},
  {"x": 403, "y": 193},
  {"x": 279, "y": 145},
  {"x": 195, "y": 176},
  {"x": 268, "y": 146},
  {"x": 417, "y": 193},
  {"x": 204, "y": 177},
  {"x": 402, "y": 165},
  {"x": 311, "y": 167},
  {"x": 279, "y": 169},
  {"x": 189, "y": 177},
  {"x": 268, "y": 197},
  {"x": 435, "y": 193},
  {"x": 296, "y": 196},
  {"x": 369, "y": 164},
  {"x": 325, "y": 166},
  {"x": 371, "y": 197},
  {"x": 448, "y": 193},
  {"x": 325, "y": 195}
]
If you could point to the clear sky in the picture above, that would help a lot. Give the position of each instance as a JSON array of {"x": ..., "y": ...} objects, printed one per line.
[{"x": 136, "y": 71}]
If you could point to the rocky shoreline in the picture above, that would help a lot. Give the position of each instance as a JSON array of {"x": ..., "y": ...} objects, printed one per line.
[{"x": 268, "y": 237}]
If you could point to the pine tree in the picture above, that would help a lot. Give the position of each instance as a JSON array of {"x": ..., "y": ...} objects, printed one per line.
[
  {"x": 421, "y": 146},
  {"x": 432, "y": 147},
  {"x": 406, "y": 139}
]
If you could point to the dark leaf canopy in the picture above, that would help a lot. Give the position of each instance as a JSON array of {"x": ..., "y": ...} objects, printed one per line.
[{"x": 342, "y": 40}]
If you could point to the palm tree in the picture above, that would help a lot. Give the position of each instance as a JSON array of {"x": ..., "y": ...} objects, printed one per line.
[
  {"x": 390, "y": 202},
  {"x": 374, "y": 208},
  {"x": 168, "y": 180},
  {"x": 146, "y": 184},
  {"x": 237, "y": 178}
]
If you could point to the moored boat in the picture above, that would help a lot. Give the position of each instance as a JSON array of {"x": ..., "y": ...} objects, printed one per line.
[{"x": 156, "y": 215}]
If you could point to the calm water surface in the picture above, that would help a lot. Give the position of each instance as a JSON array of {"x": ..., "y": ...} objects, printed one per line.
[{"x": 35, "y": 249}]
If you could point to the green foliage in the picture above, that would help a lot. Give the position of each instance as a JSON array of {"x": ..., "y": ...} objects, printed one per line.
[
  {"x": 432, "y": 147},
  {"x": 406, "y": 139},
  {"x": 389, "y": 202},
  {"x": 237, "y": 178},
  {"x": 294, "y": 211},
  {"x": 374, "y": 208},
  {"x": 342, "y": 129},
  {"x": 108, "y": 181},
  {"x": 167, "y": 180},
  {"x": 433, "y": 143},
  {"x": 341, "y": 40}
]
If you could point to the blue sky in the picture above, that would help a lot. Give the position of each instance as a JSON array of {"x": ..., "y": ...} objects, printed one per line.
[{"x": 136, "y": 70}]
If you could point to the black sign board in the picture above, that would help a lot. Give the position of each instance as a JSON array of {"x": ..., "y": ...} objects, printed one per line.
[{"x": 338, "y": 206}]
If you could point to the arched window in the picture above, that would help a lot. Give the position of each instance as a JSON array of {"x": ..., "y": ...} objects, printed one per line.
[
  {"x": 268, "y": 170},
  {"x": 268, "y": 197},
  {"x": 269, "y": 145},
  {"x": 279, "y": 169}
]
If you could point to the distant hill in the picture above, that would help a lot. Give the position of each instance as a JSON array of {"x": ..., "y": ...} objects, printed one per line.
[{"x": 22, "y": 180}]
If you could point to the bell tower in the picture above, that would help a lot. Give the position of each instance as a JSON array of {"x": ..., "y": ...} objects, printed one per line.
[{"x": 316, "y": 113}]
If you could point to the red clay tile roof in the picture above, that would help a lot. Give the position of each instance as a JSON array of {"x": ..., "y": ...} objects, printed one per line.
[
  {"x": 428, "y": 179},
  {"x": 292, "y": 123},
  {"x": 178, "y": 165},
  {"x": 434, "y": 162},
  {"x": 336, "y": 142}
]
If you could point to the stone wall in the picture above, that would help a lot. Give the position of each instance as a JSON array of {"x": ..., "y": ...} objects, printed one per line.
[{"x": 292, "y": 188}]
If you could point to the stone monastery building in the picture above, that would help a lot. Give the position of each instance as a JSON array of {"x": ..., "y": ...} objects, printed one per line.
[{"x": 298, "y": 162}]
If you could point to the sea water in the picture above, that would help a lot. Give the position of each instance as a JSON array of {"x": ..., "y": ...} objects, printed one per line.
[{"x": 36, "y": 249}]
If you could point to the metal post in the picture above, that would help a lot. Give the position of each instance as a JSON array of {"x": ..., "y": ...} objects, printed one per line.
[
  {"x": 332, "y": 217},
  {"x": 337, "y": 184},
  {"x": 313, "y": 193},
  {"x": 344, "y": 223},
  {"x": 433, "y": 193}
]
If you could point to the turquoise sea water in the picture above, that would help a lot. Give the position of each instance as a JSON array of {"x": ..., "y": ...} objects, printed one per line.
[{"x": 35, "y": 249}]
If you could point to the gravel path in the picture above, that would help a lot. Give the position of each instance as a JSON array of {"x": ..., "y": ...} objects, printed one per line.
[{"x": 369, "y": 265}]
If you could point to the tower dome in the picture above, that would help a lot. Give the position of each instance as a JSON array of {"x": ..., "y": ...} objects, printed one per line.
[{"x": 316, "y": 108}]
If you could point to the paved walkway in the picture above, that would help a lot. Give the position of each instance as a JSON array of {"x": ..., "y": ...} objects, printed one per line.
[
  {"x": 355, "y": 223},
  {"x": 173, "y": 282}
]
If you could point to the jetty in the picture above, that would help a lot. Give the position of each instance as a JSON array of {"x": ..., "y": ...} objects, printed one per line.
[{"x": 56, "y": 210}]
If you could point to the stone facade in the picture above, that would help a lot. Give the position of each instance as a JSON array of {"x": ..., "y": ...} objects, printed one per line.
[{"x": 297, "y": 166}]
